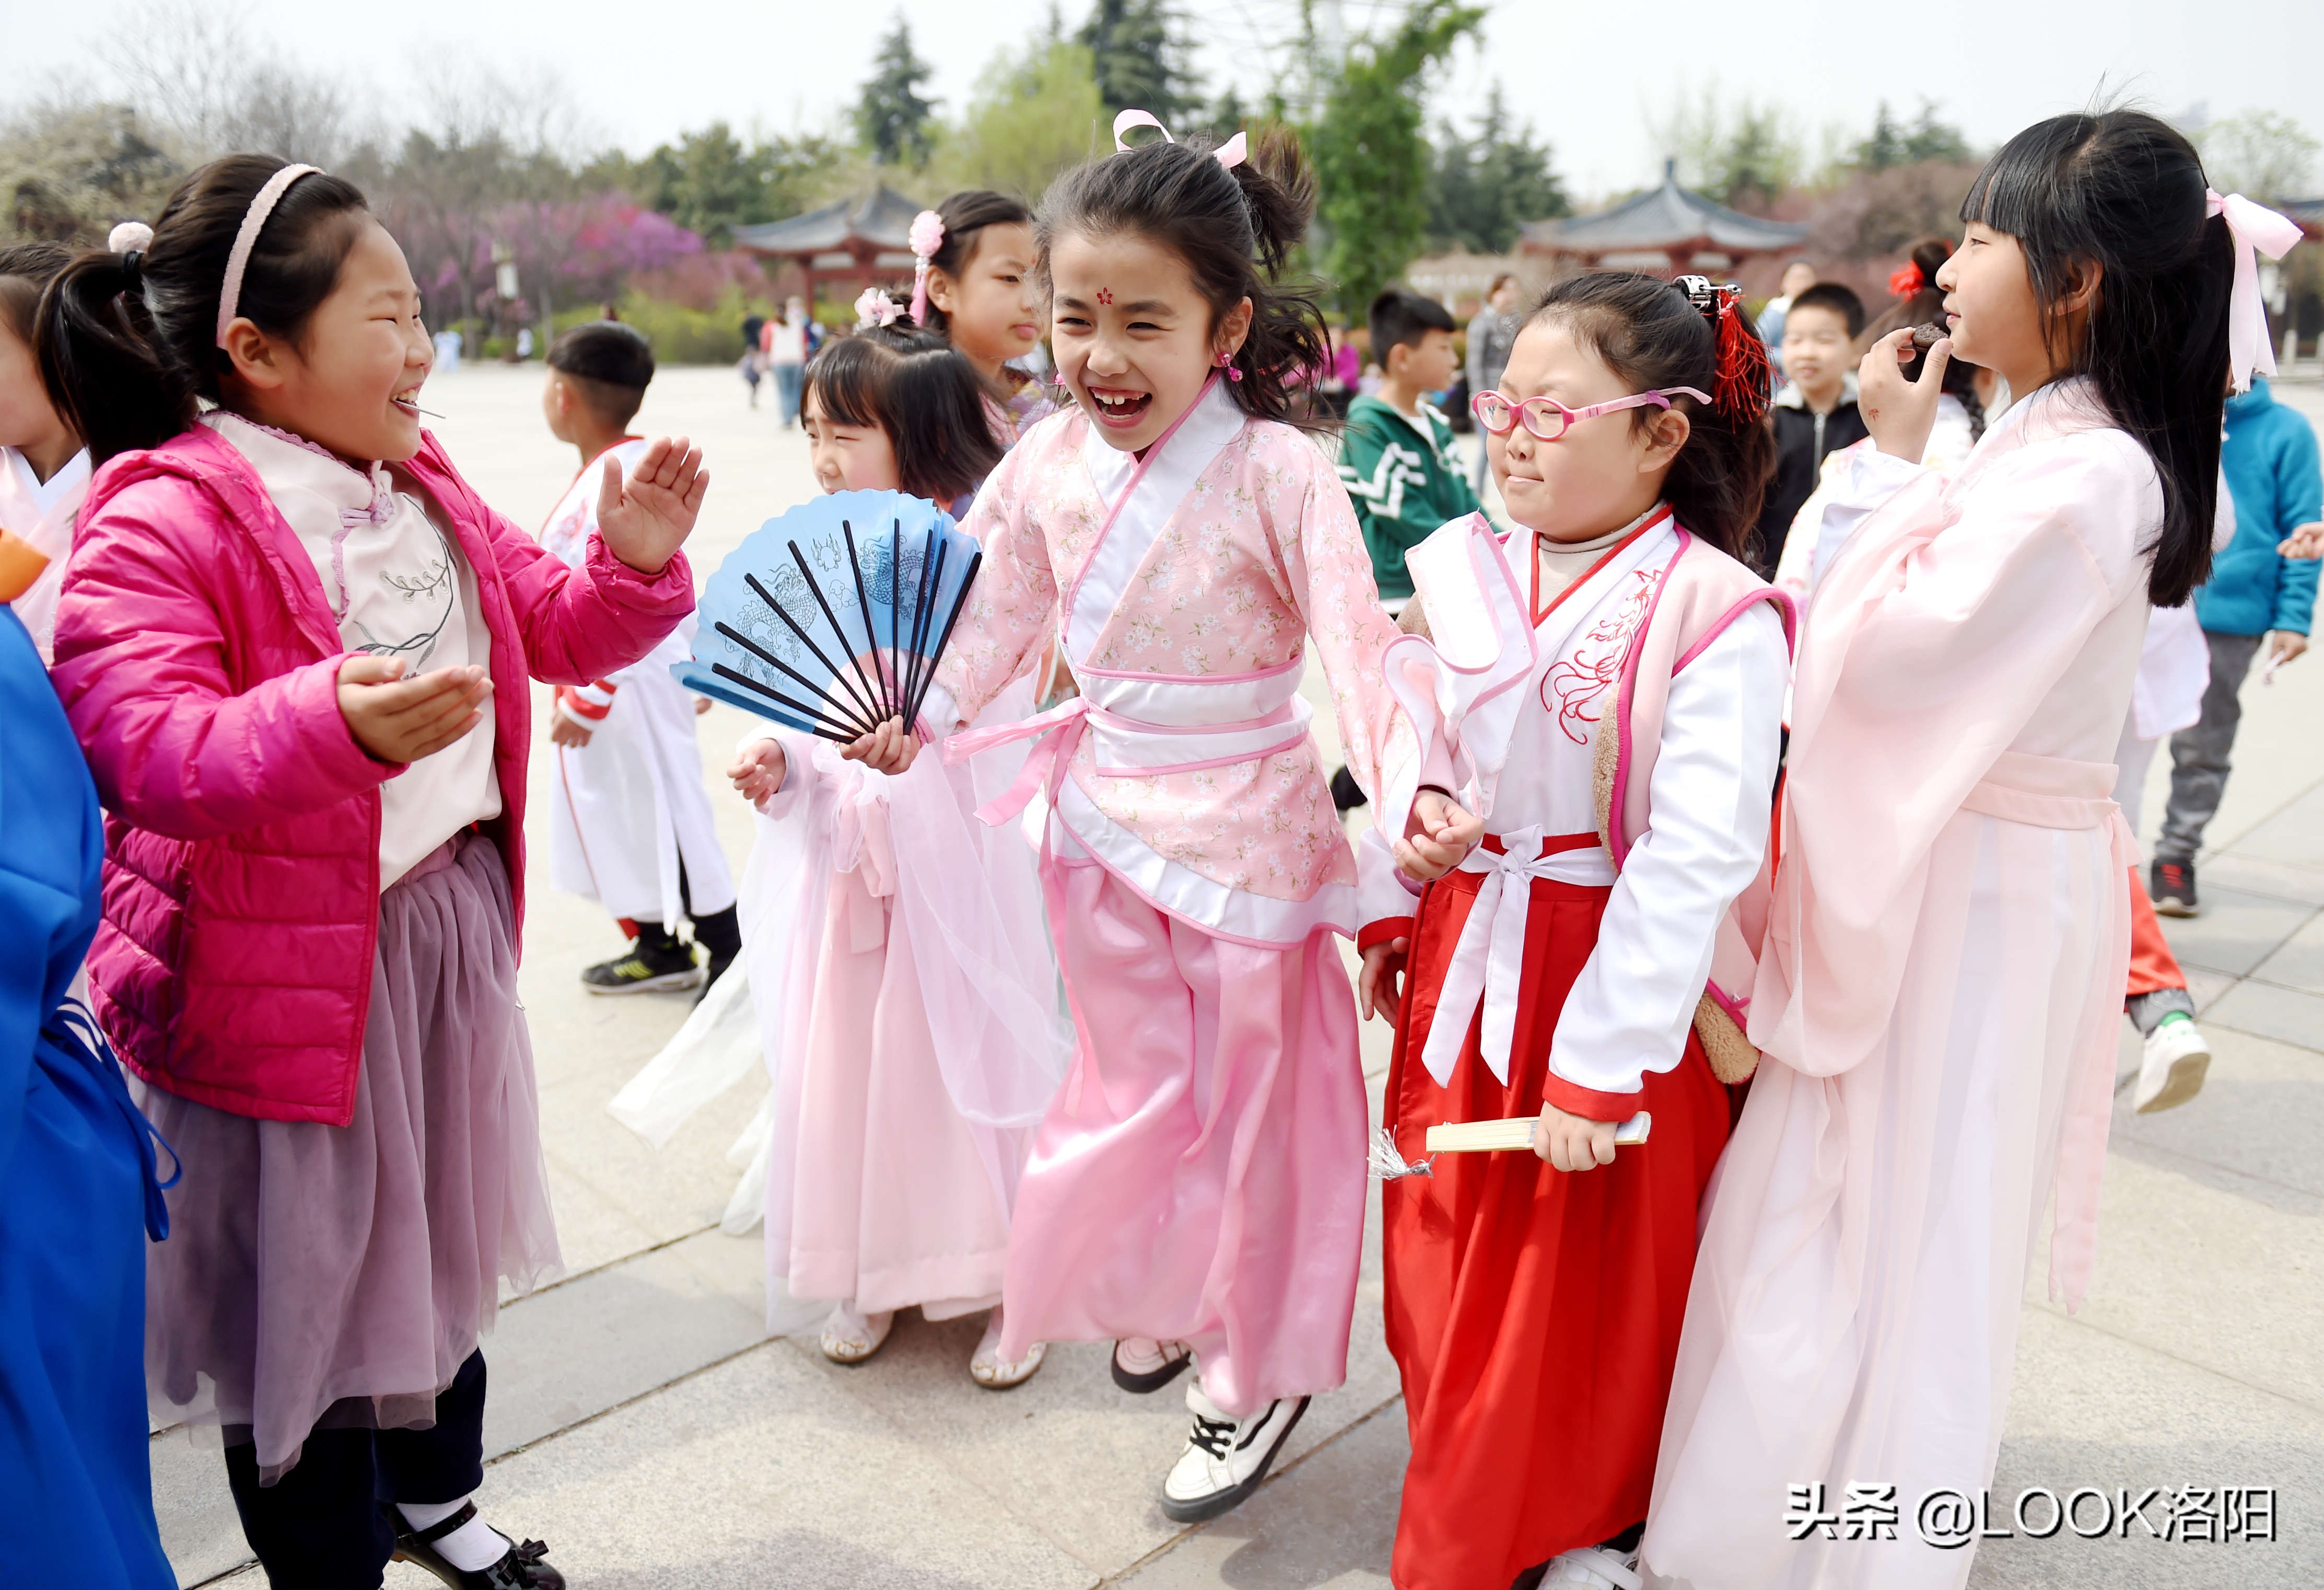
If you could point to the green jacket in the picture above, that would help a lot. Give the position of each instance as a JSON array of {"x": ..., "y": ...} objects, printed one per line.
[{"x": 1404, "y": 485}]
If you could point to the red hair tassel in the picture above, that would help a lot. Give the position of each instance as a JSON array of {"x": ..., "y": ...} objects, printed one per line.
[{"x": 1743, "y": 388}]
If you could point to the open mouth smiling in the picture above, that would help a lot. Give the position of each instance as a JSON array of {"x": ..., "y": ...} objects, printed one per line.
[{"x": 1118, "y": 408}]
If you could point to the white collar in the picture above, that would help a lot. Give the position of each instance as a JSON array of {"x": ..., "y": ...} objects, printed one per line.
[
  {"x": 1792, "y": 398},
  {"x": 45, "y": 495},
  {"x": 1215, "y": 420}
]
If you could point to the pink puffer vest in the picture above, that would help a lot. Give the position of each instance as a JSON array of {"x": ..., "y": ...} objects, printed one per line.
[{"x": 198, "y": 660}]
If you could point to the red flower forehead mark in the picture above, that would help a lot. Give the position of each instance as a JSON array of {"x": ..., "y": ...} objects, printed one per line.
[{"x": 1105, "y": 295}]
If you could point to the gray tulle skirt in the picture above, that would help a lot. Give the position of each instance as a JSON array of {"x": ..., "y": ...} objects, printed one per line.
[{"x": 326, "y": 1276}]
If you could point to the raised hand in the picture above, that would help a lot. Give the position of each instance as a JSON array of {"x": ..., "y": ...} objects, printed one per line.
[
  {"x": 645, "y": 519},
  {"x": 1898, "y": 412},
  {"x": 396, "y": 719},
  {"x": 1438, "y": 837},
  {"x": 887, "y": 749}
]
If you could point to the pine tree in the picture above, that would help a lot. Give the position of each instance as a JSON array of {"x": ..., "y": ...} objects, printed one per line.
[
  {"x": 1140, "y": 58},
  {"x": 1488, "y": 186},
  {"x": 891, "y": 118}
]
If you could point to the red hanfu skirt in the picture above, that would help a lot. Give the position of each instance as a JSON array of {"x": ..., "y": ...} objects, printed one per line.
[{"x": 1534, "y": 1314}]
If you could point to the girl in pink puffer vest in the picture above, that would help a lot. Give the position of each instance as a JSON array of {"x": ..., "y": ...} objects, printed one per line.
[{"x": 295, "y": 645}]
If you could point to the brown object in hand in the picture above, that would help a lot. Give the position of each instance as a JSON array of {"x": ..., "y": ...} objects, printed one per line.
[{"x": 1924, "y": 338}]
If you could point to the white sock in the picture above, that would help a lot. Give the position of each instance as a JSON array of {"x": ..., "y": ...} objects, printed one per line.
[{"x": 472, "y": 1548}]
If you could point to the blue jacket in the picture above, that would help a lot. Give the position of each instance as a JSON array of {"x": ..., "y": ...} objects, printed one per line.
[{"x": 2269, "y": 460}]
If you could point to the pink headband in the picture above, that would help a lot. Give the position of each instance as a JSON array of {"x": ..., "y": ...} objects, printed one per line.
[
  {"x": 253, "y": 221},
  {"x": 1229, "y": 154}
]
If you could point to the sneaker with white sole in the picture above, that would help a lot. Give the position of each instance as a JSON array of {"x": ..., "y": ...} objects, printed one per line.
[
  {"x": 2172, "y": 887},
  {"x": 2171, "y": 1070},
  {"x": 1594, "y": 1566},
  {"x": 1142, "y": 1365},
  {"x": 1225, "y": 1457}
]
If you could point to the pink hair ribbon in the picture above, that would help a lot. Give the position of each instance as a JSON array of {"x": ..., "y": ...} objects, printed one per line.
[
  {"x": 2252, "y": 227},
  {"x": 1229, "y": 154},
  {"x": 253, "y": 221}
]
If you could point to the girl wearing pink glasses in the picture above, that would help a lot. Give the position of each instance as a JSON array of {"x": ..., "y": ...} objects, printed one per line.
[{"x": 1604, "y": 694}]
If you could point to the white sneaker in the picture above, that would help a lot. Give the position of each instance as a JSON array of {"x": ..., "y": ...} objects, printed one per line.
[
  {"x": 1225, "y": 1457},
  {"x": 2171, "y": 1071},
  {"x": 1596, "y": 1568},
  {"x": 849, "y": 1337},
  {"x": 1142, "y": 1365},
  {"x": 989, "y": 1370}
]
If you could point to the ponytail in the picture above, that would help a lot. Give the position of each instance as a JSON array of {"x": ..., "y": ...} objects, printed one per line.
[
  {"x": 1235, "y": 228},
  {"x": 128, "y": 340},
  {"x": 1657, "y": 335},
  {"x": 102, "y": 363}
]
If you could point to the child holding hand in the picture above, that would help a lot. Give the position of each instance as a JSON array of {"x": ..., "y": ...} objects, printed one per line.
[
  {"x": 1611, "y": 805},
  {"x": 294, "y": 646},
  {"x": 1194, "y": 1192}
]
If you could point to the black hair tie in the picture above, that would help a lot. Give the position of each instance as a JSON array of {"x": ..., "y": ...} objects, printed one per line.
[{"x": 133, "y": 266}]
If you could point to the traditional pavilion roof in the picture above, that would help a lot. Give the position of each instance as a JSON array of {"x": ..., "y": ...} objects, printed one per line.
[
  {"x": 880, "y": 223},
  {"x": 1661, "y": 219}
]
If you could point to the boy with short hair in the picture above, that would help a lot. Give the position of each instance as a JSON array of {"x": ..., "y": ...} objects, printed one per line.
[
  {"x": 630, "y": 824},
  {"x": 1398, "y": 457},
  {"x": 1815, "y": 416}
]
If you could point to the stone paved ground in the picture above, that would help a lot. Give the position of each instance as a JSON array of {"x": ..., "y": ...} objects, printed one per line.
[{"x": 643, "y": 1422}]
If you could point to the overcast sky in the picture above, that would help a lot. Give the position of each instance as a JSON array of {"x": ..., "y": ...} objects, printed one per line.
[{"x": 1587, "y": 75}]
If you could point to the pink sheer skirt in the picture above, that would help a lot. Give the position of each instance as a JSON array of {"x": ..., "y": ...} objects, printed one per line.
[{"x": 326, "y": 1277}]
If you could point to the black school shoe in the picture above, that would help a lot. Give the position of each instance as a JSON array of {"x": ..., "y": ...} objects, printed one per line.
[{"x": 521, "y": 1569}]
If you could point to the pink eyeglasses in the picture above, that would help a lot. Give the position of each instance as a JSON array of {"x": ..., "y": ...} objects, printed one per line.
[{"x": 1548, "y": 419}]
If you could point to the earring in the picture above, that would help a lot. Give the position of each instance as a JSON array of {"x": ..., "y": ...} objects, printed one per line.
[{"x": 1226, "y": 363}]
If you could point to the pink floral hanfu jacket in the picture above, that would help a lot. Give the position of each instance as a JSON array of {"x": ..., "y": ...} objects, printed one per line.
[{"x": 1186, "y": 589}]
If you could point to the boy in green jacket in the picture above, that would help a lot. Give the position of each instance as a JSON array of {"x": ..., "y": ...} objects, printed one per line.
[{"x": 1398, "y": 457}]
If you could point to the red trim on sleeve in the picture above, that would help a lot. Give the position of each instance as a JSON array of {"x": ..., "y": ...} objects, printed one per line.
[
  {"x": 1587, "y": 1102},
  {"x": 1381, "y": 931},
  {"x": 573, "y": 703}
]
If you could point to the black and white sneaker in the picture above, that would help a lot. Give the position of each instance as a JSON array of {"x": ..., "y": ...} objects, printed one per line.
[
  {"x": 1225, "y": 1457},
  {"x": 1142, "y": 1365},
  {"x": 2172, "y": 885},
  {"x": 648, "y": 968},
  {"x": 522, "y": 1569}
]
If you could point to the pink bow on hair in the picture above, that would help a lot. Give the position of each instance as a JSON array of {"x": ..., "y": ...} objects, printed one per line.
[
  {"x": 874, "y": 306},
  {"x": 1229, "y": 154},
  {"x": 2251, "y": 226}
]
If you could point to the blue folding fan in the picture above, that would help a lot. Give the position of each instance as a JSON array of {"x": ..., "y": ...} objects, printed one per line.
[{"x": 831, "y": 618}]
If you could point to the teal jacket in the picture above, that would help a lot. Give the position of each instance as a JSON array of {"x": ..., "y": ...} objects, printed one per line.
[
  {"x": 1404, "y": 485},
  {"x": 2270, "y": 462}
]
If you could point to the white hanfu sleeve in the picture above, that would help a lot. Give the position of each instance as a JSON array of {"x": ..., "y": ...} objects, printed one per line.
[
  {"x": 1858, "y": 480},
  {"x": 1714, "y": 775}
]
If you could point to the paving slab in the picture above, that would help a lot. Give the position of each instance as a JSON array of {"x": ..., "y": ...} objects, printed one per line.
[
  {"x": 2259, "y": 1118},
  {"x": 2235, "y": 932},
  {"x": 1327, "y": 1521},
  {"x": 2091, "y": 1408},
  {"x": 2263, "y": 1010}
]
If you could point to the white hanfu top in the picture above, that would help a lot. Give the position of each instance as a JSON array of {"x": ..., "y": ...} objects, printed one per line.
[
  {"x": 1713, "y": 782},
  {"x": 398, "y": 588}
]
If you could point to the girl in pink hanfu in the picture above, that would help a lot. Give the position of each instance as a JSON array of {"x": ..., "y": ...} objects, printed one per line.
[
  {"x": 1945, "y": 952},
  {"x": 893, "y": 947},
  {"x": 1197, "y": 1188}
]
